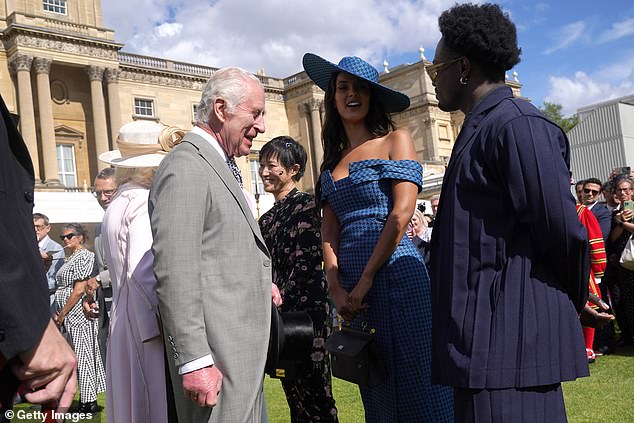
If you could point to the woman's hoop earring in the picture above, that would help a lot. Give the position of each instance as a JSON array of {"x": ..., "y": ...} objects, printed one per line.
[{"x": 464, "y": 80}]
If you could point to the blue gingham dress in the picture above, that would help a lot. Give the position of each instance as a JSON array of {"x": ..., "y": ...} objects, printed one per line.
[{"x": 400, "y": 298}]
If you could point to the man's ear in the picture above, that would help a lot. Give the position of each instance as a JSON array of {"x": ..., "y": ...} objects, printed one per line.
[{"x": 220, "y": 109}]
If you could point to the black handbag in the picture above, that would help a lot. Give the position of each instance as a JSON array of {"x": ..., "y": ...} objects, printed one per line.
[{"x": 355, "y": 356}]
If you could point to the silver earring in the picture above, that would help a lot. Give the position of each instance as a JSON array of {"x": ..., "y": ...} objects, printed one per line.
[{"x": 463, "y": 80}]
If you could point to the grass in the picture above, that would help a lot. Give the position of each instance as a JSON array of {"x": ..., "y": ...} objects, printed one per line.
[{"x": 607, "y": 396}]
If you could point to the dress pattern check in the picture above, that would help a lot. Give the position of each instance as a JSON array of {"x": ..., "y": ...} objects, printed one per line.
[{"x": 400, "y": 297}]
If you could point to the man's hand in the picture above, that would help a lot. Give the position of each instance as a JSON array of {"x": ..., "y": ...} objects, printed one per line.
[
  {"x": 202, "y": 386},
  {"x": 593, "y": 318},
  {"x": 275, "y": 294},
  {"x": 52, "y": 366}
]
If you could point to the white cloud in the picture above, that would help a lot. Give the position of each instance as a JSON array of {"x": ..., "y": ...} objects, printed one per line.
[
  {"x": 618, "y": 30},
  {"x": 566, "y": 36},
  {"x": 274, "y": 34},
  {"x": 581, "y": 90},
  {"x": 168, "y": 29}
]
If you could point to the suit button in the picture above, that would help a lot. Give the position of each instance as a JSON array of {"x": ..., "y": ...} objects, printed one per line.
[
  {"x": 28, "y": 195},
  {"x": 169, "y": 338},
  {"x": 176, "y": 356},
  {"x": 2, "y": 337},
  {"x": 267, "y": 263}
]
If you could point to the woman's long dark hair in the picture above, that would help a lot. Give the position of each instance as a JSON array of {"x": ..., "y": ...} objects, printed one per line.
[{"x": 333, "y": 136}]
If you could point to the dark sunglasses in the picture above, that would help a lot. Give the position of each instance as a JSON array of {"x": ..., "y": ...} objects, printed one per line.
[
  {"x": 68, "y": 236},
  {"x": 432, "y": 70},
  {"x": 588, "y": 191}
]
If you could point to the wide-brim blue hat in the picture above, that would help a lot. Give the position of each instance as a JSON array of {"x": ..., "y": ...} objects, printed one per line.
[{"x": 321, "y": 70}]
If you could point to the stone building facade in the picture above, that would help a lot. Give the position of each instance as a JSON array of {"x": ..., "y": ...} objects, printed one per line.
[{"x": 68, "y": 79}]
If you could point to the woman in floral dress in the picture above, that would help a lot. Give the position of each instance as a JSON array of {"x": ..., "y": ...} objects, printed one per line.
[{"x": 291, "y": 230}]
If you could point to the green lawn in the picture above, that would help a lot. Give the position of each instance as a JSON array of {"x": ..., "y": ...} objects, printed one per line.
[{"x": 607, "y": 396}]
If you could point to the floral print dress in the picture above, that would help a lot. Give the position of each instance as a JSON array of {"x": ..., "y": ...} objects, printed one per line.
[{"x": 291, "y": 230}]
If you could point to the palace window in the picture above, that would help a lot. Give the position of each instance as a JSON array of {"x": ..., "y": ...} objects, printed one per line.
[
  {"x": 66, "y": 169},
  {"x": 55, "y": 6},
  {"x": 256, "y": 182},
  {"x": 194, "y": 111},
  {"x": 143, "y": 107}
]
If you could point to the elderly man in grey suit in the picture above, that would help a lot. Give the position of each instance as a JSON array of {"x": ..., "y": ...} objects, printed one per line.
[{"x": 212, "y": 265}]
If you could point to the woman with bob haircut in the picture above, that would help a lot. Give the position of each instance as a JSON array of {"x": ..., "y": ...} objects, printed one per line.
[
  {"x": 509, "y": 256},
  {"x": 291, "y": 229},
  {"x": 376, "y": 278}
]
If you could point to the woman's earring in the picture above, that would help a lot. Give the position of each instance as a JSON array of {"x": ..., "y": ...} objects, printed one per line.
[{"x": 464, "y": 80}]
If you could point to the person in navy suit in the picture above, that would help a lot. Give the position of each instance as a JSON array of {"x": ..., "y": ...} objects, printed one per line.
[
  {"x": 590, "y": 195},
  {"x": 32, "y": 350},
  {"x": 509, "y": 256}
]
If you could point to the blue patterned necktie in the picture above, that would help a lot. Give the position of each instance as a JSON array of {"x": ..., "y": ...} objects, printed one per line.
[{"x": 231, "y": 162}]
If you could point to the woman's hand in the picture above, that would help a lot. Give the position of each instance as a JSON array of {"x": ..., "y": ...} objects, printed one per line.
[
  {"x": 355, "y": 299},
  {"x": 626, "y": 215},
  {"x": 340, "y": 298},
  {"x": 58, "y": 319}
]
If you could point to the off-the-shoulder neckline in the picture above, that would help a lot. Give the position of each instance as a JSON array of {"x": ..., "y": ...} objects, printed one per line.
[{"x": 350, "y": 165}]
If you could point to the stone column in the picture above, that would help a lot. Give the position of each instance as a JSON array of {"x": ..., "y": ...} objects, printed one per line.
[
  {"x": 114, "y": 104},
  {"x": 21, "y": 64},
  {"x": 95, "y": 74},
  {"x": 318, "y": 151},
  {"x": 304, "y": 132},
  {"x": 47, "y": 127}
]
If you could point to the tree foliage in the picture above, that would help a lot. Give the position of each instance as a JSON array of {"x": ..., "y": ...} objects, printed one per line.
[{"x": 553, "y": 111}]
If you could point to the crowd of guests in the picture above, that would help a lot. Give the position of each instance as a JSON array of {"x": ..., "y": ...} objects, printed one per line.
[
  {"x": 612, "y": 220},
  {"x": 192, "y": 274}
]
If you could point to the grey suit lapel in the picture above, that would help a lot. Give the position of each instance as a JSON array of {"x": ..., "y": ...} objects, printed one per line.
[{"x": 207, "y": 152}]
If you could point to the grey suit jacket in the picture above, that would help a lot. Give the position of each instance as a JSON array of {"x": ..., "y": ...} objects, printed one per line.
[{"x": 214, "y": 279}]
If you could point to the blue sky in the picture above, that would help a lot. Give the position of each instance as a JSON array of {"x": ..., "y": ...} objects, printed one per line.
[{"x": 574, "y": 53}]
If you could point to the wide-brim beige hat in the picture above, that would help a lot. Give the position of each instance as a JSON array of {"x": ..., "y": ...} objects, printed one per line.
[{"x": 142, "y": 144}]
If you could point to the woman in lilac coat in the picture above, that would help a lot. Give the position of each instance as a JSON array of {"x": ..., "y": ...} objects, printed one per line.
[{"x": 136, "y": 381}]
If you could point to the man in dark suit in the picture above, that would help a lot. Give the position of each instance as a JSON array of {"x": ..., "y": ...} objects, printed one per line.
[
  {"x": 509, "y": 256},
  {"x": 31, "y": 348},
  {"x": 590, "y": 195}
]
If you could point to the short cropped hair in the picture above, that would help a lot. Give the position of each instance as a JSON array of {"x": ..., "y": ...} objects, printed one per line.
[
  {"x": 105, "y": 173},
  {"x": 78, "y": 229},
  {"x": 595, "y": 181},
  {"x": 38, "y": 216},
  {"x": 228, "y": 84},
  {"x": 288, "y": 152}
]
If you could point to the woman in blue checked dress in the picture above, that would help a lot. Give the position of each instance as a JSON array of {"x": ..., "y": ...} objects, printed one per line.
[
  {"x": 369, "y": 182},
  {"x": 71, "y": 282}
]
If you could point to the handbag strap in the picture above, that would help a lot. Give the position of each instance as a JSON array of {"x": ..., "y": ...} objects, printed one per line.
[{"x": 364, "y": 323}]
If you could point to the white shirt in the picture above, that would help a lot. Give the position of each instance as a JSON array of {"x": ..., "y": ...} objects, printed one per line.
[{"x": 216, "y": 145}]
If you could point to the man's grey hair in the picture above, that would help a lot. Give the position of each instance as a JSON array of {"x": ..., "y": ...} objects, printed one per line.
[
  {"x": 227, "y": 83},
  {"x": 38, "y": 216},
  {"x": 105, "y": 173}
]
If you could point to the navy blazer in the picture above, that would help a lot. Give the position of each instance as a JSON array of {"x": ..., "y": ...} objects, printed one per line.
[
  {"x": 24, "y": 300},
  {"x": 509, "y": 256},
  {"x": 604, "y": 217}
]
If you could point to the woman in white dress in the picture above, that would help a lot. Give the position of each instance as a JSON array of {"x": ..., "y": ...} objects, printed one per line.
[{"x": 135, "y": 364}]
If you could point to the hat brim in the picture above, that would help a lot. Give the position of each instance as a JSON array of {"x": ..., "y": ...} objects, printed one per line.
[
  {"x": 145, "y": 160},
  {"x": 320, "y": 71}
]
